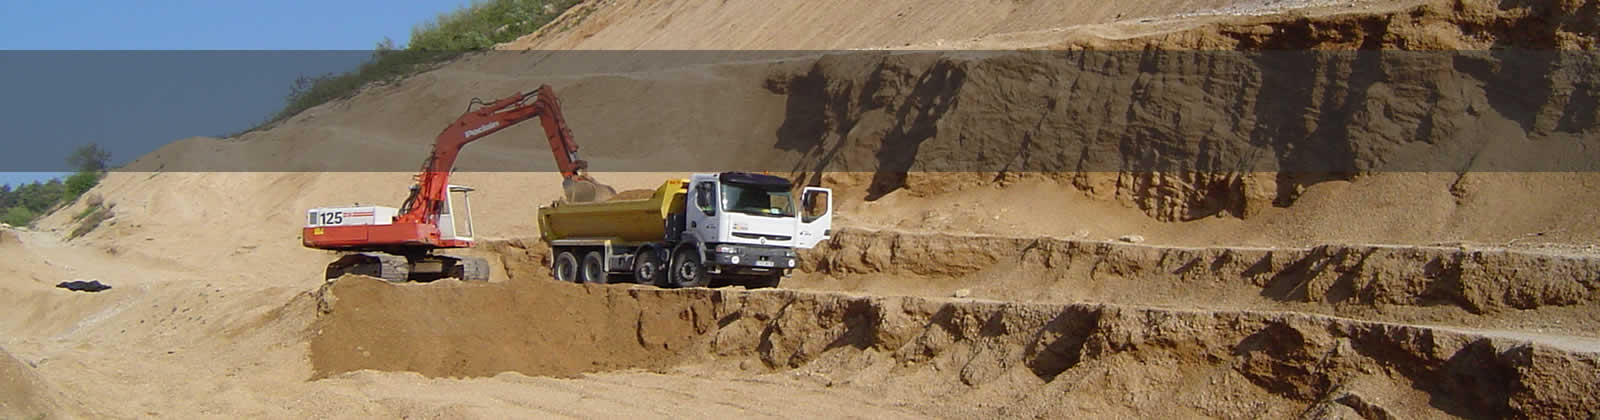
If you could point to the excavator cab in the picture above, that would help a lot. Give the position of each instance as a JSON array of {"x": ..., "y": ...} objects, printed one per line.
[{"x": 451, "y": 227}]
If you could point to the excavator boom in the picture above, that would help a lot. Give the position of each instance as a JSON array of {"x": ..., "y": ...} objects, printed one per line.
[{"x": 499, "y": 115}]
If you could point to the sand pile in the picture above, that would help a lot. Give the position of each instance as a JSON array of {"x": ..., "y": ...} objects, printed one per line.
[{"x": 457, "y": 329}]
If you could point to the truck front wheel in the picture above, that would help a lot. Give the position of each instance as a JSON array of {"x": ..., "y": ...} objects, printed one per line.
[
  {"x": 687, "y": 268},
  {"x": 648, "y": 269}
]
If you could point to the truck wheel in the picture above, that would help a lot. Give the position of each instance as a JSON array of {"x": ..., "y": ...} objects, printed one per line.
[
  {"x": 566, "y": 267},
  {"x": 687, "y": 268},
  {"x": 594, "y": 269},
  {"x": 648, "y": 269}
]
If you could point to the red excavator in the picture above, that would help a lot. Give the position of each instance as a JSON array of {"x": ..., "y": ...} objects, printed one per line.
[{"x": 398, "y": 245}]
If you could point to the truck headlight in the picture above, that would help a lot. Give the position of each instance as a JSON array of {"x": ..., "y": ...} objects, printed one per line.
[
  {"x": 791, "y": 263},
  {"x": 734, "y": 260},
  {"x": 725, "y": 249}
]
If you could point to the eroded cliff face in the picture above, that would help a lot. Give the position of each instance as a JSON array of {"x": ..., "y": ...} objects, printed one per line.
[
  {"x": 1334, "y": 277},
  {"x": 1217, "y": 119},
  {"x": 1025, "y": 359}
]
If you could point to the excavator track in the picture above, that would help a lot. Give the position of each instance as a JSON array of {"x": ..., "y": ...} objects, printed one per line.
[
  {"x": 392, "y": 268},
  {"x": 400, "y": 269},
  {"x": 471, "y": 269}
]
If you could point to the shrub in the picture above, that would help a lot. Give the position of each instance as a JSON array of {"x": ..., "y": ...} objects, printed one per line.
[
  {"x": 86, "y": 212},
  {"x": 80, "y": 183},
  {"x": 484, "y": 24},
  {"x": 90, "y": 221},
  {"x": 17, "y": 216}
]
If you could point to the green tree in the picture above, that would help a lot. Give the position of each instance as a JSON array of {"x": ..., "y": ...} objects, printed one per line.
[
  {"x": 7, "y": 199},
  {"x": 17, "y": 216},
  {"x": 384, "y": 47},
  {"x": 26, "y": 194},
  {"x": 90, "y": 158},
  {"x": 40, "y": 197}
]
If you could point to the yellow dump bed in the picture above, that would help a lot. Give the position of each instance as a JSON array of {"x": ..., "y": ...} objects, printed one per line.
[{"x": 626, "y": 220}]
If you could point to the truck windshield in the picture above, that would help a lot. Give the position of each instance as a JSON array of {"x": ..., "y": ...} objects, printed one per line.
[{"x": 757, "y": 200}]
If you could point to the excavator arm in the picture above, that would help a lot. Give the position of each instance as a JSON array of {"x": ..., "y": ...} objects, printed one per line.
[{"x": 428, "y": 196}]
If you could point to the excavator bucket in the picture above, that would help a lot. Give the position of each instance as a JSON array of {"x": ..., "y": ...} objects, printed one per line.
[{"x": 587, "y": 191}]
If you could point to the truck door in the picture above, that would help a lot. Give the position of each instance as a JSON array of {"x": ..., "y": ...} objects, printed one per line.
[
  {"x": 816, "y": 217},
  {"x": 703, "y": 208}
]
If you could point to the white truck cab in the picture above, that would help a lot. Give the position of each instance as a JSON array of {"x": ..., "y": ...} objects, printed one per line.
[
  {"x": 750, "y": 209},
  {"x": 750, "y": 224}
]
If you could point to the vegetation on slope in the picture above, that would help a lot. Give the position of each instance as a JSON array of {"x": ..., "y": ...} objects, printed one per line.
[
  {"x": 20, "y": 206},
  {"x": 474, "y": 28}
]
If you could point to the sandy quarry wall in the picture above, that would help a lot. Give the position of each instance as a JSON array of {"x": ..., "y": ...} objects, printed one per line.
[
  {"x": 1185, "y": 134},
  {"x": 1024, "y": 359},
  {"x": 1477, "y": 280}
]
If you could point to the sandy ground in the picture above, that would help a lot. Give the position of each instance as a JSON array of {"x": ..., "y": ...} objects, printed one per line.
[
  {"x": 165, "y": 343},
  {"x": 174, "y": 346},
  {"x": 226, "y": 319}
]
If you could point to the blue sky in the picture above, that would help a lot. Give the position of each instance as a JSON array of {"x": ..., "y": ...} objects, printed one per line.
[
  {"x": 212, "y": 25},
  {"x": 134, "y": 100}
]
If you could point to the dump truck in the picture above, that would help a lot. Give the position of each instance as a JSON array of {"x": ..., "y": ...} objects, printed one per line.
[{"x": 711, "y": 229}]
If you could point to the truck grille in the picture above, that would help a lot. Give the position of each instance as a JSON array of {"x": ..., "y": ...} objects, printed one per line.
[{"x": 759, "y": 236}]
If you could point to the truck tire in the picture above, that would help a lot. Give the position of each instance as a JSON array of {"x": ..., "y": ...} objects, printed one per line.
[
  {"x": 566, "y": 267},
  {"x": 594, "y": 269},
  {"x": 687, "y": 268},
  {"x": 648, "y": 269}
]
